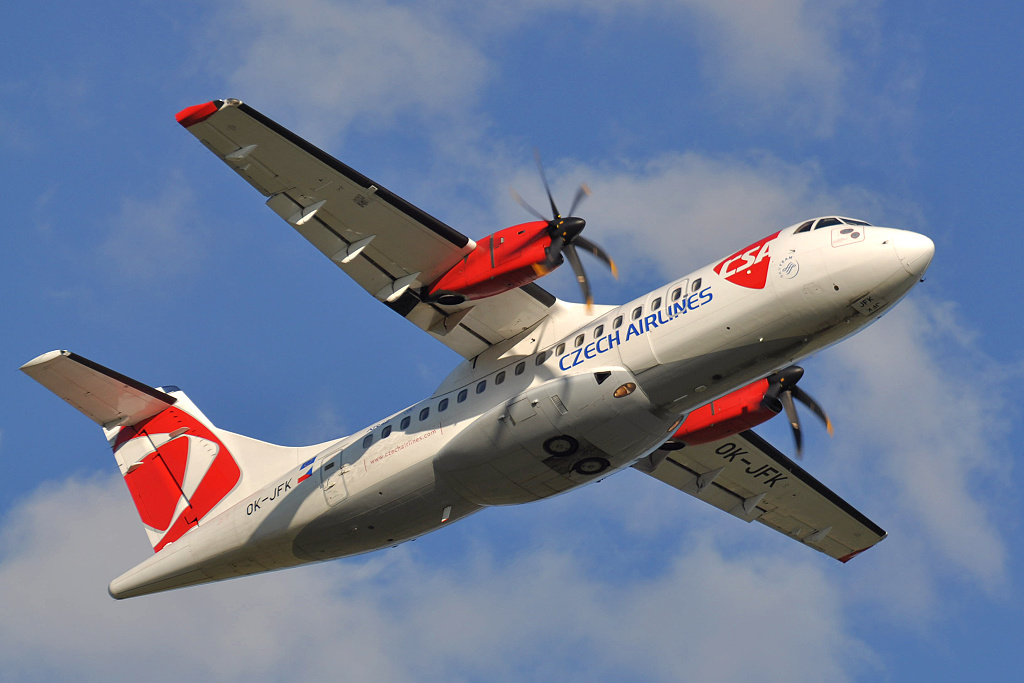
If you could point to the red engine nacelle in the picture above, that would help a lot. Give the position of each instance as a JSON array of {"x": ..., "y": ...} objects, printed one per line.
[
  {"x": 739, "y": 411},
  {"x": 500, "y": 262}
]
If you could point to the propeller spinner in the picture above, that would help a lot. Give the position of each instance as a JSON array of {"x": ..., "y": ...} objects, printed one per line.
[{"x": 564, "y": 232}]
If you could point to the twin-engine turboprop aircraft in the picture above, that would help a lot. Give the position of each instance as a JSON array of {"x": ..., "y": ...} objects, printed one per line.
[{"x": 551, "y": 395}]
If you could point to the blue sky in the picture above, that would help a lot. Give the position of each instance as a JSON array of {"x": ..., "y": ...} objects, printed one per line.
[{"x": 700, "y": 126}]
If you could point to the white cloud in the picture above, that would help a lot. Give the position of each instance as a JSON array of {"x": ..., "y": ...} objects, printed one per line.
[
  {"x": 789, "y": 51},
  {"x": 919, "y": 395},
  {"x": 331, "y": 63},
  {"x": 686, "y": 210},
  {"x": 399, "y": 615},
  {"x": 334, "y": 62},
  {"x": 788, "y": 58}
]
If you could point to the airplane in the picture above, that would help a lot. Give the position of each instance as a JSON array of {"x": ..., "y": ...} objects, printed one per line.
[{"x": 551, "y": 395}]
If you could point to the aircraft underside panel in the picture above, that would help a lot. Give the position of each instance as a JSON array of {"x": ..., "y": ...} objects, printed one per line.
[{"x": 551, "y": 438}]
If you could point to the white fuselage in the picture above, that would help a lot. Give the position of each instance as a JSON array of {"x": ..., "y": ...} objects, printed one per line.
[{"x": 540, "y": 415}]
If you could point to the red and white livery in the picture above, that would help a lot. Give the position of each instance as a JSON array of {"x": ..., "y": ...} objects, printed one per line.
[{"x": 551, "y": 395}]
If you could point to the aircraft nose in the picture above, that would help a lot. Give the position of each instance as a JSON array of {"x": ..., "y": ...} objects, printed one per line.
[{"x": 914, "y": 250}]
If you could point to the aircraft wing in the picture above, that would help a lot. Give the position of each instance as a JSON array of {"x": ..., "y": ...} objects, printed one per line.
[
  {"x": 388, "y": 246},
  {"x": 748, "y": 478}
]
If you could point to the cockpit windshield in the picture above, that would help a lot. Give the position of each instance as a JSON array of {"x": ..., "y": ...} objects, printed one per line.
[{"x": 827, "y": 221}]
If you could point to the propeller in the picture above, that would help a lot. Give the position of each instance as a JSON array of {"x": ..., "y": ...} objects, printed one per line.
[
  {"x": 564, "y": 232},
  {"x": 782, "y": 389}
]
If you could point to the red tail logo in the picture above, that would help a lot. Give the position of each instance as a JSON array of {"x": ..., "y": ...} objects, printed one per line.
[
  {"x": 748, "y": 267},
  {"x": 185, "y": 470}
]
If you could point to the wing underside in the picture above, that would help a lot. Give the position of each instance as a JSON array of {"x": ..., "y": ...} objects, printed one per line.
[
  {"x": 750, "y": 479},
  {"x": 388, "y": 246}
]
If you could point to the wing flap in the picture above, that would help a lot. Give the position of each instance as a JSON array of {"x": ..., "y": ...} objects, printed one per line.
[
  {"x": 105, "y": 396},
  {"x": 401, "y": 248},
  {"x": 747, "y": 477}
]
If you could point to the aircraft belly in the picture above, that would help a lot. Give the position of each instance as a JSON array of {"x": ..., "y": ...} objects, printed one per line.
[
  {"x": 532, "y": 446},
  {"x": 382, "y": 512}
]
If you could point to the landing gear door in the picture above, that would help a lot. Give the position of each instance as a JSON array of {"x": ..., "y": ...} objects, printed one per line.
[{"x": 332, "y": 479}]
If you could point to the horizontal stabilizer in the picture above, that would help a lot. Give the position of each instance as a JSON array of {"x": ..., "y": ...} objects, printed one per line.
[{"x": 106, "y": 397}]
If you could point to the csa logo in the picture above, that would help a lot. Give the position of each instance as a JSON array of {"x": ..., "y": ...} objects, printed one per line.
[
  {"x": 185, "y": 473},
  {"x": 748, "y": 267}
]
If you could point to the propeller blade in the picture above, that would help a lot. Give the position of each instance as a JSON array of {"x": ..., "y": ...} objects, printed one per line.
[
  {"x": 805, "y": 398},
  {"x": 522, "y": 202},
  {"x": 584, "y": 191},
  {"x": 547, "y": 188},
  {"x": 564, "y": 233},
  {"x": 794, "y": 421},
  {"x": 583, "y": 243},
  {"x": 581, "y": 275}
]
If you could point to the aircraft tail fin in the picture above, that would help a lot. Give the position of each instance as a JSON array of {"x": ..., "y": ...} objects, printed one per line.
[{"x": 178, "y": 466}]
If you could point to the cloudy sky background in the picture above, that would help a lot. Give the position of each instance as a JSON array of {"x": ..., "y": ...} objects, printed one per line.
[{"x": 700, "y": 126}]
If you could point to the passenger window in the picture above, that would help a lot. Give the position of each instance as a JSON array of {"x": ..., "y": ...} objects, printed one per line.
[
  {"x": 560, "y": 350},
  {"x": 462, "y": 396},
  {"x": 696, "y": 285},
  {"x": 541, "y": 357},
  {"x": 676, "y": 293},
  {"x": 521, "y": 368},
  {"x": 405, "y": 422},
  {"x": 481, "y": 385},
  {"x": 579, "y": 341},
  {"x": 656, "y": 304},
  {"x": 442, "y": 406},
  {"x": 424, "y": 414},
  {"x": 367, "y": 441},
  {"x": 386, "y": 432},
  {"x": 617, "y": 323},
  {"x": 636, "y": 312},
  {"x": 598, "y": 331},
  {"x": 500, "y": 377}
]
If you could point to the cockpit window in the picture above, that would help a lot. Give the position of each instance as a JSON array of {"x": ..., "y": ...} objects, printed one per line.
[
  {"x": 826, "y": 222},
  {"x": 852, "y": 221},
  {"x": 804, "y": 227}
]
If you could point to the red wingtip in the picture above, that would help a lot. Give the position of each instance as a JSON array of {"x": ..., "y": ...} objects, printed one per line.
[
  {"x": 855, "y": 553},
  {"x": 200, "y": 112}
]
